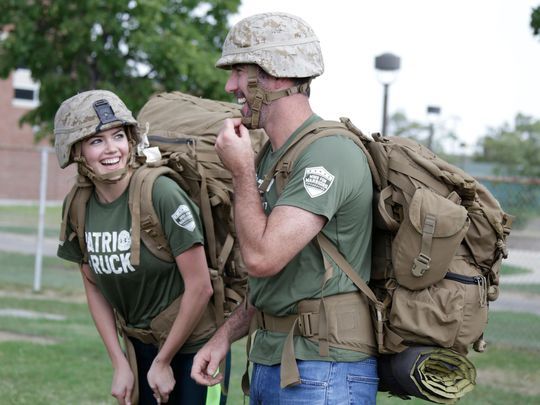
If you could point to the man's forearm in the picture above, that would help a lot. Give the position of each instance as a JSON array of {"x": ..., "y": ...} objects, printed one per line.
[
  {"x": 249, "y": 217},
  {"x": 237, "y": 325}
]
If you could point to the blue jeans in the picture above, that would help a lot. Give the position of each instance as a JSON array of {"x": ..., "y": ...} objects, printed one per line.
[{"x": 322, "y": 383}]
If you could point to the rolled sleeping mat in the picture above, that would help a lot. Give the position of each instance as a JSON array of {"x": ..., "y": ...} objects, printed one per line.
[{"x": 431, "y": 373}]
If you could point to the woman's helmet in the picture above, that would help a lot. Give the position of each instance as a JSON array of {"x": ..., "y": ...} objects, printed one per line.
[{"x": 86, "y": 114}]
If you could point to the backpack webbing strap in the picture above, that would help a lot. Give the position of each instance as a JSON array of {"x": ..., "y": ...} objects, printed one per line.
[
  {"x": 422, "y": 261},
  {"x": 218, "y": 194},
  {"x": 379, "y": 307},
  {"x": 278, "y": 166},
  {"x": 225, "y": 252},
  {"x": 75, "y": 213},
  {"x": 316, "y": 131},
  {"x": 396, "y": 166},
  {"x": 245, "y": 376},
  {"x": 312, "y": 318},
  {"x": 388, "y": 221},
  {"x": 144, "y": 217},
  {"x": 218, "y": 296},
  {"x": 233, "y": 295},
  {"x": 208, "y": 220}
]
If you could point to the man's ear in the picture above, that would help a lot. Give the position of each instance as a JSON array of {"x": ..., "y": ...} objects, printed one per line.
[{"x": 280, "y": 83}]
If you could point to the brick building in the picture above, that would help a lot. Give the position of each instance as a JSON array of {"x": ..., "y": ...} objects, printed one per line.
[{"x": 20, "y": 156}]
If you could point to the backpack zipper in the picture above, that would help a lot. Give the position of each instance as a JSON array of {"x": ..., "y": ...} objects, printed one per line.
[
  {"x": 164, "y": 139},
  {"x": 480, "y": 281},
  {"x": 464, "y": 279}
]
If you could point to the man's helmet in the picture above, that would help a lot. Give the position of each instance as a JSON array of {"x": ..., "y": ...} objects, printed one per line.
[
  {"x": 282, "y": 44},
  {"x": 86, "y": 114}
]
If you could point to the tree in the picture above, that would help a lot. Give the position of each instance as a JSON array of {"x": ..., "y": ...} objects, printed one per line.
[
  {"x": 535, "y": 20},
  {"x": 400, "y": 125},
  {"x": 515, "y": 148},
  {"x": 515, "y": 151},
  {"x": 132, "y": 47}
]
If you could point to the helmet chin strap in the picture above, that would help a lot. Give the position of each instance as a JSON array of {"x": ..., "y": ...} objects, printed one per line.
[
  {"x": 257, "y": 96},
  {"x": 107, "y": 178}
]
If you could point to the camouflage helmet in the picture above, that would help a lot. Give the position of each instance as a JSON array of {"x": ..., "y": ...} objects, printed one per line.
[
  {"x": 86, "y": 114},
  {"x": 283, "y": 45}
]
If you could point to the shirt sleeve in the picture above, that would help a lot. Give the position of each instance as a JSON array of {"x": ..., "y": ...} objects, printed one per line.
[
  {"x": 178, "y": 214},
  {"x": 329, "y": 172}
]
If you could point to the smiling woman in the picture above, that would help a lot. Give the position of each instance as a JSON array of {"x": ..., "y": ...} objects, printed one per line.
[
  {"x": 160, "y": 306},
  {"x": 106, "y": 151}
]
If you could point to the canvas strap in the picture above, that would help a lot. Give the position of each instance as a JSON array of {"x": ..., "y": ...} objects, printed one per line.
[
  {"x": 259, "y": 96},
  {"x": 422, "y": 261},
  {"x": 313, "y": 320},
  {"x": 75, "y": 212},
  {"x": 145, "y": 223}
]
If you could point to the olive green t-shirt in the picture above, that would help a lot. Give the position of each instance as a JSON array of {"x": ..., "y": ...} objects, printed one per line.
[
  {"x": 330, "y": 178},
  {"x": 140, "y": 292}
]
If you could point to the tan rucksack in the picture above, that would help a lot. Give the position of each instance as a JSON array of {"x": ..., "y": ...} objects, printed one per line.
[
  {"x": 184, "y": 128},
  {"x": 438, "y": 241}
]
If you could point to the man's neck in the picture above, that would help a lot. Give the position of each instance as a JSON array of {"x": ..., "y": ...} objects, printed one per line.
[{"x": 285, "y": 117}]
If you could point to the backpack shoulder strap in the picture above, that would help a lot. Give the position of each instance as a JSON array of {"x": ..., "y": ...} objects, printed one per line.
[
  {"x": 319, "y": 129},
  {"x": 145, "y": 223},
  {"x": 75, "y": 213}
]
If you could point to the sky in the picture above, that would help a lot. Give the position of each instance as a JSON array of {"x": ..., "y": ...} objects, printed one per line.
[{"x": 475, "y": 59}]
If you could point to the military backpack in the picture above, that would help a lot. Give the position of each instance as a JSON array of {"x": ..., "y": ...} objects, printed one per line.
[
  {"x": 439, "y": 237},
  {"x": 181, "y": 131}
]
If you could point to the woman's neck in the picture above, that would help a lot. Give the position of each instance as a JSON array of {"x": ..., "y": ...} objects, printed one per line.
[{"x": 109, "y": 192}]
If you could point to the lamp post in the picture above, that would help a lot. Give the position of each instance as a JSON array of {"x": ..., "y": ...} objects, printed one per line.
[
  {"x": 432, "y": 111},
  {"x": 387, "y": 66}
]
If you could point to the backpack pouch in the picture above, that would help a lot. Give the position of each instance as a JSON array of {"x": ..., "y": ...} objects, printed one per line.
[
  {"x": 427, "y": 239},
  {"x": 451, "y": 313}
]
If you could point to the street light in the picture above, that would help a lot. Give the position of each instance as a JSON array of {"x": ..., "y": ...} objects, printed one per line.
[
  {"x": 387, "y": 66},
  {"x": 432, "y": 111}
]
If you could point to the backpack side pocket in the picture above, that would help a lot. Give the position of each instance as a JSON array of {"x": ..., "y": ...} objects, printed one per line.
[{"x": 427, "y": 239}]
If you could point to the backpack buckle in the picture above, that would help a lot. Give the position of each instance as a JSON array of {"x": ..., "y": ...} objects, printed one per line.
[
  {"x": 304, "y": 323},
  {"x": 421, "y": 264}
]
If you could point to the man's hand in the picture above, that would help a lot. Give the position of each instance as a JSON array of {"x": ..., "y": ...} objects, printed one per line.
[
  {"x": 207, "y": 359},
  {"x": 233, "y": 146}
]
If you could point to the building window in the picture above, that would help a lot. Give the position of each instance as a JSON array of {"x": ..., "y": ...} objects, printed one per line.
[{"x": 25, "y": 90}]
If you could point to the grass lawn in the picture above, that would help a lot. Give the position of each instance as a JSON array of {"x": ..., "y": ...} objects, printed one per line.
[
  {"x": 24, "y": 219},
  {"x": 63, "y": 361}
]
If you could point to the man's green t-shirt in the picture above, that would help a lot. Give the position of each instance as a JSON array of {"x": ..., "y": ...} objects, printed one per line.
[
  {"x": 330, "y": 178},
  {"x": 140, "y": 292}
]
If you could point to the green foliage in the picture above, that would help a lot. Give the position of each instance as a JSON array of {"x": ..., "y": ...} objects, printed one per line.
[
  {"x": 131, "y": 47},
  {"x": 514, "y": 147},
  {"x": 400, "y": 125},
  {"x": 535, "y": 20}
]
